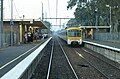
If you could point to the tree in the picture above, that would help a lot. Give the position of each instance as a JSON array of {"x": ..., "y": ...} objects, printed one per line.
[
  {"x": 47, "y": 24},
  {"x": 72, "y": 22},
  {"x": 88, "y": 11}
]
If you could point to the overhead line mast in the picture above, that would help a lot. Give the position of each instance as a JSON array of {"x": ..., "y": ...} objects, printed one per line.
[
  {"x": 56, "y": 10},
  {"x": 1, "y": 23},
  {"x": 11, "y": 24},
  {"x": 49, "y": 8},
  {"x": 42, "y": 12}
]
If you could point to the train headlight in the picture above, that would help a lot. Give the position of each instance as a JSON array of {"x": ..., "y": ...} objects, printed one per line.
[
  {"x": 80, "y": 41},
  {"x": 69, "y": 42}
]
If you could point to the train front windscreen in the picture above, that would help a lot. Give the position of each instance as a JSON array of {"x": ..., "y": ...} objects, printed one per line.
[{"x": 74, "y": 33}]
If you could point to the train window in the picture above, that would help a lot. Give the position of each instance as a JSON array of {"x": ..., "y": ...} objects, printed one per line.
[{"x": 74, "y": 33}]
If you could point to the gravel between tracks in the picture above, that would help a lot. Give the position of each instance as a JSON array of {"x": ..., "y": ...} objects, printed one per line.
[
  {"x": 83, "y": 69},
  {"x": 110, "y": 71},
  {"x": 60, "y": 68},
  {"x": 41, "y": 69}
]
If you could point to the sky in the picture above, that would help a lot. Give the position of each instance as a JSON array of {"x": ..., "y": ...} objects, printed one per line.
[{"x": 32, "y": 9}]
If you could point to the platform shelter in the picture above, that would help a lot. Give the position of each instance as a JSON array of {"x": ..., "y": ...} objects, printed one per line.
[{"x": 18, "y": 29}]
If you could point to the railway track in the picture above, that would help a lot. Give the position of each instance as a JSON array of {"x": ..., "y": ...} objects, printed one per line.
[
  {"x": 108, "y": 70},
  {"x": 54, "y": 64},
  {"x": 83, "y": 69},
  {"x": 59, "y": 65},
  {"x": 65, "y": 62},
  {"x": 101, "y": 66}
]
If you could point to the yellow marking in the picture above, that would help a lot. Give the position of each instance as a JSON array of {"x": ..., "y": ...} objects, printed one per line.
[
  {"x": 74, "y": 38},
  {"x": 76, "y": 28}
]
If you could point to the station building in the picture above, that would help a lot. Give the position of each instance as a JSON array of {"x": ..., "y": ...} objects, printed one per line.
[
  {"x": 19, "y": 27},
  {"x": 89, "y": 31}
]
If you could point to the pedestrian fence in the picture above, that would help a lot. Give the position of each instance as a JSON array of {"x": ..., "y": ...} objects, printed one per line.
[
  {"x": 107, "y": 51},
  {"x": 107, "y": 36}
]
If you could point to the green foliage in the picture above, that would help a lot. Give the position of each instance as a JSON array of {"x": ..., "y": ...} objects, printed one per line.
[
  {"x": 47, "y": 24},
  {"x": 71, "y": 23},
  {"x": 71, "y": 3},
  {"x": 88, "y": 11}
]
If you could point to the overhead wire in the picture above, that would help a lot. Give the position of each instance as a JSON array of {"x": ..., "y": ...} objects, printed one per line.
[
  {"x": 16, "y": 10},
  {"x": 9, "y": 5}
]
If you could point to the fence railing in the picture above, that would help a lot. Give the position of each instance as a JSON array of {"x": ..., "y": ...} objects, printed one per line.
[{"x": 107, "y": 36}]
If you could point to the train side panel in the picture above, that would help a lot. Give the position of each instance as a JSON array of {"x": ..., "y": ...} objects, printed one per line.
[{"x": 62, "y": 35}]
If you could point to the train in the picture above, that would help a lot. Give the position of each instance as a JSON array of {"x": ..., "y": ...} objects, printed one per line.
[{"x": 72, "y": 35}]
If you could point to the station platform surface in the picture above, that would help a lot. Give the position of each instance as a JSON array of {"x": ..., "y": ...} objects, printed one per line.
[
  {"x": 11, "y": 55},
  {"x": 18, "y": 48},
  {"x": 111, "y": 43}
]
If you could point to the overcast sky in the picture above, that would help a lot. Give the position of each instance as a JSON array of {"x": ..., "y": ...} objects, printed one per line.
[{"x": 32, "y": 9}]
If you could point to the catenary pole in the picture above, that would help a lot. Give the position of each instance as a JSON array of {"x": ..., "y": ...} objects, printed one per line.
[
  {"x": 56, "y": 10},
  {"x": 1, "y": 25},
  {"x": 11, "y": 24},
  {"x": 42, "y": 12}
]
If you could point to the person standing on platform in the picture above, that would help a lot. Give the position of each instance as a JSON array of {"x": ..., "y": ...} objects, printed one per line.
[
  {"x": 29, "y": 34},
  {"x": 25, "y": 37},
  {"x": 31, "y": 39},
  {"x": 35, "y": 36}
]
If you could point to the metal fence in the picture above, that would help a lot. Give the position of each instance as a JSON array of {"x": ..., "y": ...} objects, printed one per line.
[{"x": 107, "y": 36}]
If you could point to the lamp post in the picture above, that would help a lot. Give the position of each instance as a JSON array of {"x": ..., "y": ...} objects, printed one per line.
[
  {"x": 110, "y": 17},
  {"x": 96, "y": 19}
]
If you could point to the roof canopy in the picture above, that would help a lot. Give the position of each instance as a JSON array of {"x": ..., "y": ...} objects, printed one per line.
[{"x": 29, "y": 22}]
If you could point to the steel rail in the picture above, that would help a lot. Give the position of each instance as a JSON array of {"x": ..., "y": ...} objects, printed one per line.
[
  {"x": 68, "y": 61},
  {"x": 11, "y": 61},
  {"x": 25, "y": 67},
  {"x": 51, "y": 56},
  {"x": 91, "y": 64},
  {"x": 100, "y": 59}
]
